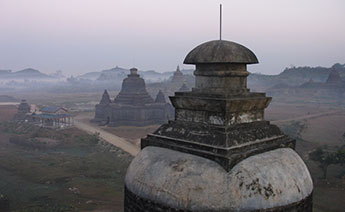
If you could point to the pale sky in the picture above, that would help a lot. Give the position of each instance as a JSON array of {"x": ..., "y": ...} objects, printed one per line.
[{"x": 79, "y": 36}]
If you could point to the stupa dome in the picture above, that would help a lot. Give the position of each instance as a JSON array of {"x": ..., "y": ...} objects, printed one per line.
[
  {"x": 221, "y": 51},
  {"x": 271, "y": 180}
]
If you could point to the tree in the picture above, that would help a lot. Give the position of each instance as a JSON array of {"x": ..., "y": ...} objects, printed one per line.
[
  {"x": 340, "y": 155},
  {"x": 325, "y": 158}
]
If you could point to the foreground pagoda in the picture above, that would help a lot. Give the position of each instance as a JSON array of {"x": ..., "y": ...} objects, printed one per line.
[
  {"x": 219, "y": 154},
  {"x": 133, "y": 106}
]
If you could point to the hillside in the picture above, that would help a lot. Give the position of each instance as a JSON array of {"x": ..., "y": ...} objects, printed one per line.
[
  {"x": 5, "y": 98},
  {"x": 28, "y": 73},
  {"x": 294, "y": 76},
  {"x": 118, "y": 74}
]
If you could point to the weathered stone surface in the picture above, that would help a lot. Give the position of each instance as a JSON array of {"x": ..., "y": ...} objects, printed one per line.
[
  {"x": 224, "y": 145},
  {"x": 4, "y": 203},
  {"x": 183, "y": 181},
  {"x": 184, "y": 88},
  {"x": 236, "y": 160},
  {"x": 219, "y": 109},
  {"x": 156, "y": 113},
  {"x": 134, "y": 203},
  {"x": 220, "y": 51}
]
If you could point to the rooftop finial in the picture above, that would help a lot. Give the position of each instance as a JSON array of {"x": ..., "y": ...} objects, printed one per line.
[{"x": 220, "y": 22}]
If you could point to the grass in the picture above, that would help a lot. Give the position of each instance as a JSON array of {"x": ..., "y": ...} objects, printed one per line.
[{"x": 80, "y": 174}]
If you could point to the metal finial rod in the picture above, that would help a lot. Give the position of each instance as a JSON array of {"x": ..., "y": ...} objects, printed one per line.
[{"x": 220, "y": 23}]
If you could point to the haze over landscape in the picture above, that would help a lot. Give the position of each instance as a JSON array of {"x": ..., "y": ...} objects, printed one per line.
[
  {"x": 99, "y": 113},
  {"x": 81, "y": 36}
]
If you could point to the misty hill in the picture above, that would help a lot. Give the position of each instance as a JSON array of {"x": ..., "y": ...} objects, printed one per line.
[
  {"x": 306, "y": 73},
  {"x": 118, "y": 74},
  {"x": 294, "y": 76},
  {"x": 115, "y": 74},
  {"x": 5, "y": 72},
  {"x": 28, "y": 73},
  {"x": 89, "y": 75},
  {"x": 5, "y": 98}
]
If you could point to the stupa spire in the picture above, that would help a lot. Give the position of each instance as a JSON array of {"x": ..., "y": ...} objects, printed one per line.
[{"x": 105, "y": 98}]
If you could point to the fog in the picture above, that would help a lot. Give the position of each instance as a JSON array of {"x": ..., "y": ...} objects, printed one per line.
[{"x": 79, "y": 36}]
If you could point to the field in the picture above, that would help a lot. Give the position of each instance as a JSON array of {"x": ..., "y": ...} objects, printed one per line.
[
  {"x": 327, "y": 130},
  {"x": 316, "y": 130},
  {"x": 7, "y": 112},
  {"x": 81, "y": 173}
]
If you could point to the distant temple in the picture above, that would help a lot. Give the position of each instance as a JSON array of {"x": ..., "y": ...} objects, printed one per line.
[
  {"x": 48, "y": 117},
  {"x": 219, "y": 153},
  {"x": 178, "y": 76},
  {"x": 23, "y": 110},
  {"x": 52, "y": 117},
  {"x": 133, "y": 106}
]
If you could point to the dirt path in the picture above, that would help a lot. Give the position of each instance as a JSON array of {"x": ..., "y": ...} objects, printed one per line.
[
  {"x": 307, "y": 117},
  {"x": 82, "y": 123}
]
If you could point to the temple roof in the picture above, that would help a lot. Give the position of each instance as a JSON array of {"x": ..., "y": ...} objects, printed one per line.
[
  {"x": 105, "y": 98},
  {"x": 133, "y": 91},
  {"x": 160, "y": 98},
  {"x": 51, "y": 116},
  {"x": 178, "y": 72},
  {"x": 51, "y": 109},
  {"x": 221, "y": 51},
  {"x": 24, "y": 107}
]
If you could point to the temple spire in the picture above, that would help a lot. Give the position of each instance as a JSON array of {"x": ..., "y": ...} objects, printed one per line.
[
  {"x": 105, "y": 98},
  {"x": 220, "y": 22}
]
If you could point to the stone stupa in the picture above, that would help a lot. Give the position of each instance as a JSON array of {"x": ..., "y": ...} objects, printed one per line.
[
  {"x": 177, "y": 77},
  {"x": 24, "y": 110},
  {"x": 133, "y": 106},
  {"x": 219, "y": 154}
]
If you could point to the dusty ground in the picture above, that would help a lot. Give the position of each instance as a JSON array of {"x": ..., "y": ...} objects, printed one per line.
[
  {"x": 282, "y": 111},
  {"x": 7, "y": 112},
  {"x": 82, "y": 121},
  {"x": 326, "y": 130},
  {"x": 132, "y": 134}
]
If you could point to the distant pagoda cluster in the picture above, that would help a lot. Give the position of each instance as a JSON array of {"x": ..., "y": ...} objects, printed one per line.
[
  {"x": 133, "y": 106},
  {"x": 219, "y": 154}
]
